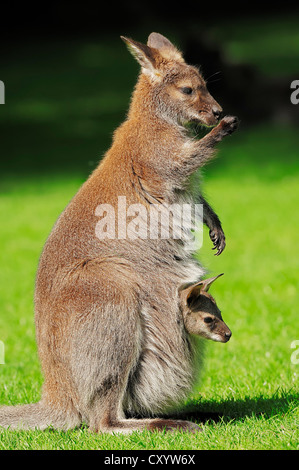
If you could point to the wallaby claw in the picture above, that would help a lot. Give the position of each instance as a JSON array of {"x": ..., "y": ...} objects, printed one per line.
[
  {"x": 220, "y": 248},
  {"x": 218, "y": 238}
]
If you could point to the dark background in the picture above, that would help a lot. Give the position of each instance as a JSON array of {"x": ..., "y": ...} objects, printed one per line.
[
  {"x": 68, "y": 76},
  {"x": 48, "y": 19}
]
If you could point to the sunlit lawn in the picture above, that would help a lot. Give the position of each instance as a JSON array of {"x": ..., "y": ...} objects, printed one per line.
[{"x": 249, "y": 382}]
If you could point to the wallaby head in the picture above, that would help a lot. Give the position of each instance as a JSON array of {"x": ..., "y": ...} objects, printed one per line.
[
  {"x": 178, "y": 90},
  {"x": 201, "y": 315}
]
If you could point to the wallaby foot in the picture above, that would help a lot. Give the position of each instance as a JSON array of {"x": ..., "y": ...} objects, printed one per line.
[
  {"x": 174, "y": 425},
  {"x": 127, "y": 426}
]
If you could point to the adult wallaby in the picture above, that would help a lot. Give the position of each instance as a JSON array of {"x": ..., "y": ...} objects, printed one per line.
[
  {"x": 201, "y": 315},
  {"x": 109, "y": 328}
]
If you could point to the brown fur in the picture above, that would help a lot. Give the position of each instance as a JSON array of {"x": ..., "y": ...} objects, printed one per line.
[{"x": 109, "y": 328}]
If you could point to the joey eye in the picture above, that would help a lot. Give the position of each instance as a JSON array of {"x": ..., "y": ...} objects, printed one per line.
[
  {"x": 187, "y": 90},
  {"x": 208, "y": 319}
]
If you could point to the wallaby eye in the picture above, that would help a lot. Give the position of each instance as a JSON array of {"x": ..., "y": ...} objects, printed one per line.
[
  {"x": 208, "y": 319},
  {"x": 187, "y": 90}
]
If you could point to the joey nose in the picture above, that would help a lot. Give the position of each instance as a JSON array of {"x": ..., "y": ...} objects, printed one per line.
[{"x": 228, "y": 335}]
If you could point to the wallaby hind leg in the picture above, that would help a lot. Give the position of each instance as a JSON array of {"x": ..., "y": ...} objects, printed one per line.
[{"x": 106, "y": 348}]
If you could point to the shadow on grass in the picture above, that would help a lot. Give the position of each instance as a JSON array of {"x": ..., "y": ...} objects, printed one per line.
[{"x": 239, "y": 409}]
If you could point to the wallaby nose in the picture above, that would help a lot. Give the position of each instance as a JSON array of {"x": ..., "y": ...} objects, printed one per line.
[{"x": 217, "y": 112}]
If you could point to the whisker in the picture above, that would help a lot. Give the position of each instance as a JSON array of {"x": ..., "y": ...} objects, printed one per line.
[
  {"x": 216, "y": 80},
  {"x": 213, "y": 74}
]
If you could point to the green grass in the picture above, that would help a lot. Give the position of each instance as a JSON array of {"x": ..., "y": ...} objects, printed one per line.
[{"x": 249, "y": 384}]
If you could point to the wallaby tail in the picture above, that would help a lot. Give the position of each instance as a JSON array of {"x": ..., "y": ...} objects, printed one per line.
[{"x": 36, "y": 416}]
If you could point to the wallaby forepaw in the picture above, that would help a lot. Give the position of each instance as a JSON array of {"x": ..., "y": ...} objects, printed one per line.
[
  {"x": 228, "y": 125},
  {"x": 218, "y": 238}
]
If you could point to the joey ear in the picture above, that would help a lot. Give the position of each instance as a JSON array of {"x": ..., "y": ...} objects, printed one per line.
[
  {"x": 164, "y": 46},
  {"x": 189, "y": 293},
  {"x": 208, "y": 282},
  {"x": 143, "y": 54}
]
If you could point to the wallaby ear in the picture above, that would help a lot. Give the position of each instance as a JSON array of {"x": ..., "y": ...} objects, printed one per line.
[
  {"x": 164, "y": 46},
  {"x": 143, "y": 54},
  {"x": 189, "y": 293}
]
